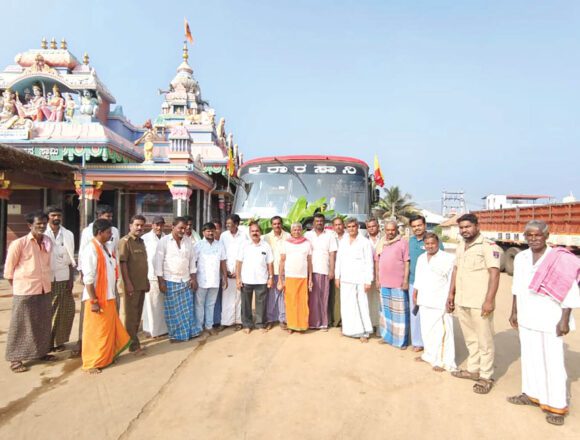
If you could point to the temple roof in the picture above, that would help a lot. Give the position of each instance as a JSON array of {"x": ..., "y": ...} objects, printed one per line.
[{"x": 54, "y": 65}]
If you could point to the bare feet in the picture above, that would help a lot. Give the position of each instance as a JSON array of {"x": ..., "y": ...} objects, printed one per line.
[
  {"x": 247, "y": 331},
  {"x": 140, "y": 352},
  {"x": 290, "y": 331},
  {"x": 417, "y": 349},
  {"x": 363, "y": 339},
  {"x": 419, "y": 359},
  {"x": 18, "y": 367},
  {"x": 438, "y": 369},
  {"x": 238, "y": 327}
]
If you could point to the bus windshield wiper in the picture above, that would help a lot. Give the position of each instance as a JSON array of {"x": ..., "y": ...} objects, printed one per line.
[{"x": 291, "y": 171}]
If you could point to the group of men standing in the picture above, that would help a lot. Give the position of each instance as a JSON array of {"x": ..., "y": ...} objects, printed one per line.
[{"x": 404, "y": 291}]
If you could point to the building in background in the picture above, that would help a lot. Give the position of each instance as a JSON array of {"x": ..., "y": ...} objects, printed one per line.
[{"x": 55, "y": 107}]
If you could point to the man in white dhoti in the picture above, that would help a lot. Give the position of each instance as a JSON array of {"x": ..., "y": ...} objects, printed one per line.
[
  {"x": 542, "y": 316},
  {"x": 153, "y": 308},
  {"x": 232, "y": 239},
  {"x": 430, "y": 289},
  {"x": 354, "y": 275}
]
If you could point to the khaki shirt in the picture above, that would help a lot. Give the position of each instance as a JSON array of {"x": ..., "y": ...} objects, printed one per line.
[
  {"x": 472, "y": 265},
  {"x": 132, "y": 251}
]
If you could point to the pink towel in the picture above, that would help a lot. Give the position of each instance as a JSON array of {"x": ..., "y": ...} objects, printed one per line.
[{"x": 556, "y": 274}]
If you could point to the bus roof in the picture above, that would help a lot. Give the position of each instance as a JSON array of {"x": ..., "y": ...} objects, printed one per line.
[{"x": 306, "y": 157}]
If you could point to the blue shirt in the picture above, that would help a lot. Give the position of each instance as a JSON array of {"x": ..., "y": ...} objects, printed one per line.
[{"x": 416, "y": 249}]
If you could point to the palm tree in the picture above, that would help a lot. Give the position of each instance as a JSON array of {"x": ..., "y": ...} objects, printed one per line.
[{"x": 395, "y": 205}]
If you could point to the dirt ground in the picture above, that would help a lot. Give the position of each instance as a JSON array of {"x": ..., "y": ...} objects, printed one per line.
[{"x": 275, "y": 386}]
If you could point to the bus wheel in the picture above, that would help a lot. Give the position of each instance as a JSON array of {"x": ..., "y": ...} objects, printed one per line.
[{"x": 509, "y": 256}]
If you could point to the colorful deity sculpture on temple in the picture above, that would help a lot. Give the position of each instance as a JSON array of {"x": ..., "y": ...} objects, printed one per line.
[
  {"x": 89, "y": 104},
  {"x": 32, "y": 109},
  {"x": 53, "y": 110},
  {"x": 9, "y": 119},
  {"x": 69, "y": 108}
]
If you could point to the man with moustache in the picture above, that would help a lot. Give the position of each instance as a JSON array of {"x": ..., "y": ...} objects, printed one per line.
[
  {"x": 375, "y": 235},
  {"x": 153, "y": 308},
  {"x": 275, "y": 307},
  {"x": 416, "y": 249},
  {"x": 542, "y": 317},
  {"x": 62, "y": 263},
  {"x": 27, "y": 269},
  {"x": 324, "y": 249},
  {"x": 134, "y": 270},
  {"x": 175, "y": 268},
  {"x": 254, "y": 274},
  {"x": 474, "y": 284},
  {"x": 211, "y": 273},
  {"x": 334, "y": 295}
]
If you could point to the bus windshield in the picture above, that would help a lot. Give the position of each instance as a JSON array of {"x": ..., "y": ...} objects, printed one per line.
[{"x": 271, "y": 189}]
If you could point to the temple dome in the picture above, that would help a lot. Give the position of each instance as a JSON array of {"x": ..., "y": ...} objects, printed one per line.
[{"x": 184, "y": 77}]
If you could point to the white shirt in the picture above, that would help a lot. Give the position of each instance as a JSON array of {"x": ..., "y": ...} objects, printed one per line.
[
  {"x": 255, "y": 259},
  {"x": 276, "y": 242},
  {"x": 172, "y": 262},
  {"x": 151, "y": 240},
  {"x": 432, "y": 279},
  {"x": 62, "y": 255},
  {"x": 232, "y": 244},
  {"x": 209, "y": 257},
  {"x": 322, "y": 245},
  {"x": 87, "y": 236},
  {"x": 89, "y": 262},
  {"x": 296, "y": 262},
  {"x": 538, "y": 312},
  {"x": 354, "y": 261}
]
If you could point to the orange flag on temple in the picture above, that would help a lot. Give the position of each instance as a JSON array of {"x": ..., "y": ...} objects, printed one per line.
[
  {"x": 379, "y": 180},
  {"x": 231, "y": 165},
  {"x": 188, "y": 31}
]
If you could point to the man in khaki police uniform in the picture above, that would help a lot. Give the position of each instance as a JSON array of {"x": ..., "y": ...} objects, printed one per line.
[{"x": 472, "y": 295}]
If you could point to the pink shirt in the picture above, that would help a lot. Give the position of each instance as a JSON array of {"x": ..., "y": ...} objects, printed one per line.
[
  {"x": 392, "y": 264},
  {"x": 28, "y": 266}
]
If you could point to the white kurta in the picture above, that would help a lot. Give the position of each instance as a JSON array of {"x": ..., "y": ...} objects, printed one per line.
[
  {"x": 354, "y": 269},
  {"x": 231, "y": 297},
  {"x": 543, "y": 369},
  {"x": 153, "y": 305},
  {"x": 432, "y": 280}
]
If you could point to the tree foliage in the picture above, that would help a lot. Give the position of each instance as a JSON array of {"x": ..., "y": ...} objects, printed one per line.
[{"x": 396, "y": 205}]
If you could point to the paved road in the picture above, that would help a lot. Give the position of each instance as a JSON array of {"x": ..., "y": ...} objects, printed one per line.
[{"x": 275, "y": 386}]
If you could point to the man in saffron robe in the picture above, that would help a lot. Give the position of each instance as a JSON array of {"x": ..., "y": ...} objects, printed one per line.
[
  {"x": 104, "y": 337},
  {"x": 296, "y": 278}
]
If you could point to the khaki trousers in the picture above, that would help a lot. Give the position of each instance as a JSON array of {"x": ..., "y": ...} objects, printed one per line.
[
  {"x": 131, "y": 311},
  {"x": 478, "y": 334}
]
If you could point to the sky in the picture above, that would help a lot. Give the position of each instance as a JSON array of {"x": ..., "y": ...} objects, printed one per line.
[{"x": 478, "y": 96}]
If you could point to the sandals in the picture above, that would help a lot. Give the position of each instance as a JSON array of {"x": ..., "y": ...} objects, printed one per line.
[
  {"x": 464, "y": 374},
  {"x": 483, "y": 386},
  {"x": 49, "y": 358},
  {"x": 555, "y": 419},
  {"x": 522, "y": 399},
  {"x": 18, "y": 367}
]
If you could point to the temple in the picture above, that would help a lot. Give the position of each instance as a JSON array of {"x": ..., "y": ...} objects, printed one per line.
[{"x": 55, "y": 107}]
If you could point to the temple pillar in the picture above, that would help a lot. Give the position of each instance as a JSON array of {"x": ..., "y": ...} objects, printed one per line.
[
  {"x": 5, "y": 193},
  {"x": 89, "y": 194},
  {"x": 222, "y": 208},
  {"x": 181, "y": 193}
]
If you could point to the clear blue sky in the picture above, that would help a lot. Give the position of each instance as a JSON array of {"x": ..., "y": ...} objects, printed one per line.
[{"x": 475, "y": 95}]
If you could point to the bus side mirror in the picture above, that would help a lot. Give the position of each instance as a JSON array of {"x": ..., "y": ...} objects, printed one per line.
[{"x": 376, "y": 195}]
